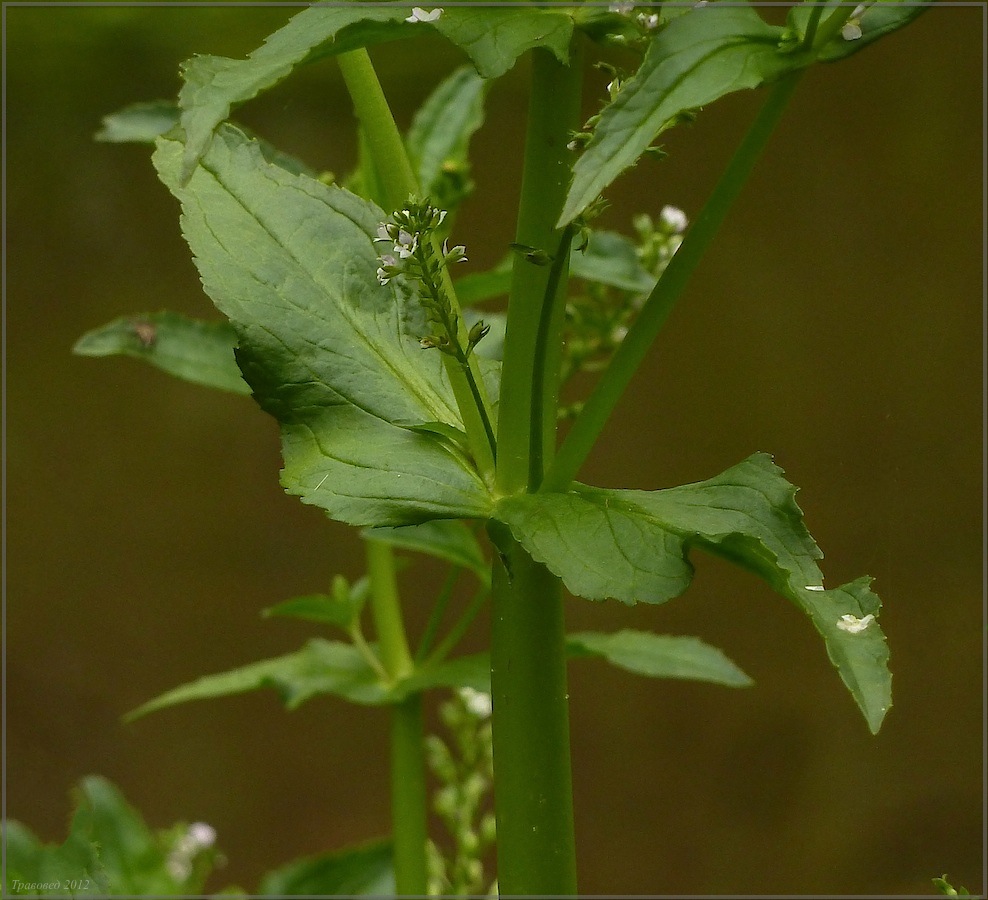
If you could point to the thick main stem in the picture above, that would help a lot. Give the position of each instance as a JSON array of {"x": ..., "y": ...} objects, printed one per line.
[
  {"x": 536, "y": 853},
  {"x": 554, "y": 109},
  {"x": 533, "y": 800}
]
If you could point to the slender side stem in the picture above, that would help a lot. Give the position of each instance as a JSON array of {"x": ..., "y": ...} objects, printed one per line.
[
  {"x": 398, "y": 182},
  {"x": 553, "y": 111},
  {"x": 409, "y": 797},
  {"x": 387, "y": 149},
  {"x": 533, "y": 802},
  {"x": 436, "y": 616},
  {"x": 386, "y": 609},
  {"x": 591, "y": 420},
  {"x": 460, "y": 627},
  {"x": 409, "y": 801}
]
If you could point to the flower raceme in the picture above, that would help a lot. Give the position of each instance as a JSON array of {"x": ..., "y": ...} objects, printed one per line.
[{"x": 412, "y": 234}]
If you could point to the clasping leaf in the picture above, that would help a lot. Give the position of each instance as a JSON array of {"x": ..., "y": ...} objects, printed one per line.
[{"x": 634, "y": 546}]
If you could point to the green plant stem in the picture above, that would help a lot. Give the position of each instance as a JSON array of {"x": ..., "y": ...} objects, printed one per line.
[
  {"x": 533, "y": 803},
  {"x": 436, "y": 616},
  {"x": 460, "y": 627},
  {"x": 615, "y": 379},
  {"x": 533, "y": 800},
  {"x": 409, "y": 801},
  {"x": 554, "y": 110},
  {"x": 386, "y": 610},
  {"x": 398, "y": 183},
  {"x": 409, "y": 797}
]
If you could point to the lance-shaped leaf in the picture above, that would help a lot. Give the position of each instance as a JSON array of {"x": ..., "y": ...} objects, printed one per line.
[
  {"x": 658, "y": 656},
  {"x": 323, "y": 667},
  {"x": 696, "y": 59},
  {"x": 200, "y": 352},
  {"x": 633, "y": 546},
  {"x": 439, "y": 136},
  {"x": 492, "y": 38},
  {"x": 326, "y": 349}
]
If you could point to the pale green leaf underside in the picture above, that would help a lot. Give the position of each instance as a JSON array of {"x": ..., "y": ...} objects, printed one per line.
[
  {"x": 200, "y": 352},
  {"x": 327, "y": 350},
  {"x": 633, "y": 546},
  {"x": 492, "y": 38},
  {"x": 445, "y": 539},
  {"x": 659, "y": 656},
  {"x": 695, "y": 59},
  {"x": 321, "y": 608},
  {"x": 139, "y": 122}
]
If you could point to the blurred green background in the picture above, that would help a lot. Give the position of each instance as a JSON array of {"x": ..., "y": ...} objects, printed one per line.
[{"x": 836, "y": 323}]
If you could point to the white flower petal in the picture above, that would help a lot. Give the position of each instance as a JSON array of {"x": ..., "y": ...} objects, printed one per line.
[{"x": 854, "y": 625}]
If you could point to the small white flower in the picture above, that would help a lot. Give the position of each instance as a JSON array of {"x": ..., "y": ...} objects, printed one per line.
[
  {"x": 405, "y": 243},
  {"x": 674, "y": 219},
  {"x": 815, "y": 587},
  {"x": 622, "y": 7},
  {"x": 421, "y": 15},
  {"x": 572, "y": 145},
  {"x": 648, "y": 21},
  {"x": 478, "y": 702},
  {"x": 202, "y": 835},
  {"x": 854, "y": 625},
  {"x": 851, "y": 31}
]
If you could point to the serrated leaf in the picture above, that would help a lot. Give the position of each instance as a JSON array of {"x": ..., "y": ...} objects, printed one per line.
[
  {"x": 696, "y": 59},
  {"x": 200, "y": 352},
  {"x": 493, "y": 39},
  {"x": 367, "y": 869},
  {"x": 139, "y": 123},
  {"x": 633, "y": 546},
  {"x": 439, "y": 136},
  {"x": 878, "y": 20},
  {"x": 327, "y": 350},
  {"x": 659, "y": 656},
  {"x": 445, "y": 539}
]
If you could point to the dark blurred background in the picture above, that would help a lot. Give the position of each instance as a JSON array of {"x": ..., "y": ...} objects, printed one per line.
[{"x": 836, "y": 323}]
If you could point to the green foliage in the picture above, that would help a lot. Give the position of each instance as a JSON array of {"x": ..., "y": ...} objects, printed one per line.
[
  {"x": 659, "y": 656},
  {"x": 109, "y": 851},
  {"x": 632, "y": 545},
  {"x": 327, "y": 350},
  {"x": 324, "y": 667},
  {"x": 439, "y": 137},
  {"x": 445, "y": 539},
  {"x": 367, "y": 869},
  {"x": 200, "y": 352},
  {"x": 493, "y": 39},
  {"x": 947, "y": 889},
  {"x": 336, "y": 338},
  {"x": 139, "y": 122}
]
